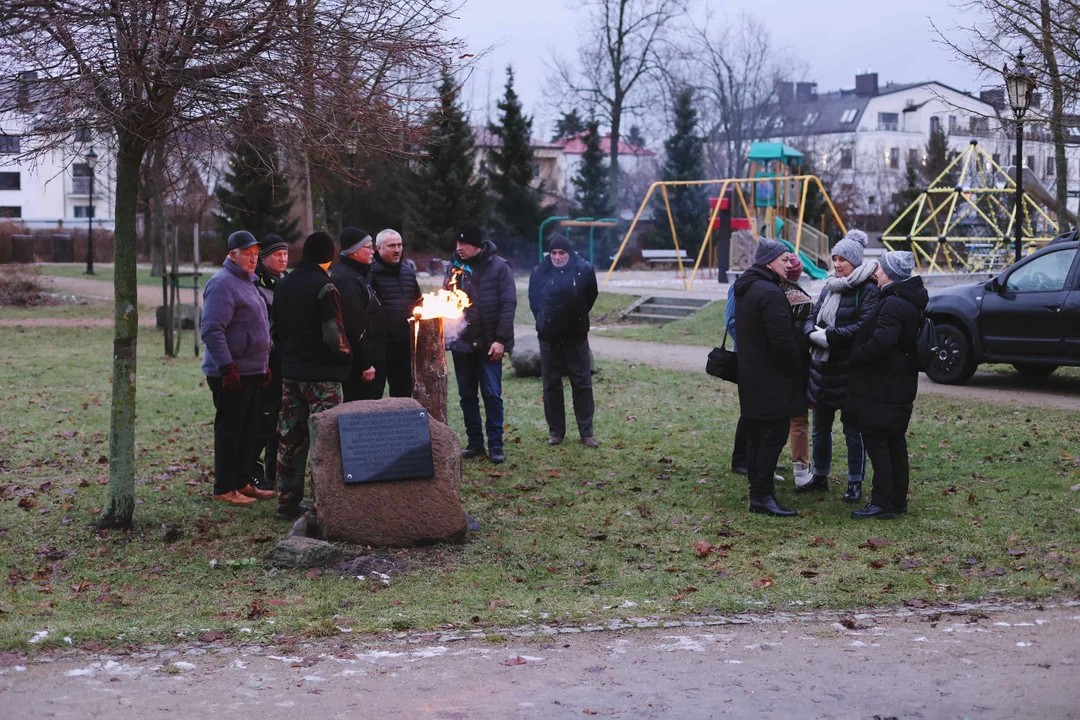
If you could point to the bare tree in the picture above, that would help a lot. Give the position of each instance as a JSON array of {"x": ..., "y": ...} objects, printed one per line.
[
  {"x": 621, "y": 52},
  {"x": 1050, "y": 28},
  {"x": 139, "y": 71}
]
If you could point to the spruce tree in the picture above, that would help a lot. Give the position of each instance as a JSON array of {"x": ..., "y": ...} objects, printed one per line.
[
  {"x": 254, "y": 194},
  {"x": 938, "y": 157},
  {"x": 511, "y": 166},
  {"x": 569, "y": 125},
  {"x": 685, "y": 161},
  {"x": 634, "y": 137},
  {"x": 590, "y": 182},
  {"x": 445, "y": 189}
]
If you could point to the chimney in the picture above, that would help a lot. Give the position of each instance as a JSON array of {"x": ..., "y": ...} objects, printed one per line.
[
  {"x": 994, "y": 98},
  {"x": 806, "y": 92},
  {"x": 866, "y": 85},
  {"x": 785, "y": 92}
]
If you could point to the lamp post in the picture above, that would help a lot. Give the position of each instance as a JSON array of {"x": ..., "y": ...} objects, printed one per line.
[
  {"x": 91, "y": 161},
  {"x": 1020, "y": 85}
]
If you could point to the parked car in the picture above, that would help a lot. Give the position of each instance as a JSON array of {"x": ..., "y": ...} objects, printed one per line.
[{"x": 1028, "y": 316}]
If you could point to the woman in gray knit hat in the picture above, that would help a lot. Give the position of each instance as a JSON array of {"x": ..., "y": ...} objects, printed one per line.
[{"x": 847, "y": 300}]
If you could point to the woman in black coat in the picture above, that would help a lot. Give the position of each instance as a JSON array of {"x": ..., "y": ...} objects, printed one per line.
[
  {"x": 884, "y": 380},
  {"x": 847, "y": 300}
]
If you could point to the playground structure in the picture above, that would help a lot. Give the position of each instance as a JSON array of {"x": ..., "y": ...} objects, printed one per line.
[
  {"x": 582, "y": 222},
  {"x": 969, "y": 226},
  {"x": 773, "y": 203}
]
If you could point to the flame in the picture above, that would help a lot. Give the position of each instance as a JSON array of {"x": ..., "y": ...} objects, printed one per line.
[{"x": 449, "y": 304}]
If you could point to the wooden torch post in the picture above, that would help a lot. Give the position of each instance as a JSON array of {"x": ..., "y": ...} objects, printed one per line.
[{"x": 429, "y": 366}]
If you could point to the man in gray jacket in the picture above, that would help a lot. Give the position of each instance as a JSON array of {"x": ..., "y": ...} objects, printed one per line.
[{"x": 236, "y": 339}]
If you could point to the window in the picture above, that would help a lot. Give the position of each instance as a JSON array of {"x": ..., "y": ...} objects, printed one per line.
[
  {"x": 846, "y": 159},
  {"x": 9, "y": 144},
  {"x": 10, "y": 181},
  {"x": 80, "y": 170},
  {"x": 82, "y": 134},
  {"x": 849, "y": 116},
  {"x": 1031, "y": 163},
  {"x": 811, "y": 118},
  {"x": 1044, "y": 274},
  {"x": 871, "y": 200},
  {"x": 894, "y": 158},
  {"x": 913, "y": 156},
  {"x": 996, "y": 157},
  {"x": 10, "y": 211},
  {"x": 1073, "y": 131},
  {"x": 84, "y": 211},
  {"x": 888, "y": 121},
  {"x": 1049, "y": 167},
  {"x": 952, "y": 124},
  {"x": 935, "y": 124}
]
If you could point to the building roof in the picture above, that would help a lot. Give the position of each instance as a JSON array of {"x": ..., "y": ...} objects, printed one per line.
[
  {"x": 576, "y": 146},
  {"x": 483, "y": 137}
]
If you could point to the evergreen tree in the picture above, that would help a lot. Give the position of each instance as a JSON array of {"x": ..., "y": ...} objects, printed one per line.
[
  {"x": 591, "y": 184},
  {"x": 938, "y": 157},
  {"x": 372, "y": 196},
  {"x": 511, "y": 166},
  {"x": 445, "y": 190},
  {"x": 569, "y": 125},
  {"x": 254, "y": 194},
  {"x": 634, "y": 137},
  {"x": 913, "y": 188},
  {"x": 685, "y": 161}
]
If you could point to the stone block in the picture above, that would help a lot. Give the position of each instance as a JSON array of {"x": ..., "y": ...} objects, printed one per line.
[
  {"x": 303, "y": 552},
  {"x": 526, "y": 356},
  {"x": 395, "y": 513}
]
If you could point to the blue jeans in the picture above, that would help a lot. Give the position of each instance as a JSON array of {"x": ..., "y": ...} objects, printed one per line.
[
  {"x": 822, "y": 440},
  {"x": 475, "y": 373}
]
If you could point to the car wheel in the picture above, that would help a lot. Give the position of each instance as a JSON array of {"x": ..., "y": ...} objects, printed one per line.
[
  {"x": 954, "y": 364},
  {"x": 1034, "y": 369}
]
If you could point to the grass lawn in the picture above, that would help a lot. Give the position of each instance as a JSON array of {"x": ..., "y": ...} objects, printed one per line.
[
  {"x": 78, "y": 311},
  {"x": 104, "y": 273},
  {"x": 607, "y": 310},
  {"x": 705, "y": 328},
  {"x": 569, "y": 534}
]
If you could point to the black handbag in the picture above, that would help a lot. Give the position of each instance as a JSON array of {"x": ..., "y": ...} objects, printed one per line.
[{"x": 723, "y": 363}]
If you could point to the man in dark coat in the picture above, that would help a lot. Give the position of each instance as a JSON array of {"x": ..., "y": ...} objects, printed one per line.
[
  {"x": 884, "y": 381},
  {"x": 562, "y": 290},
  {"x": 395, "y": 285},
  {"x": 488, "y": 333},
  {"x": 772, "y": 388},
  {"x": 273, "y": 260},
  {"x": 315, "y": 360},
  {"x": 362, "y": 315},
  {"x": 236, "y": 342}
]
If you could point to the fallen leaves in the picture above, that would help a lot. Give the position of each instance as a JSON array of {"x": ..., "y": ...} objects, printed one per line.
[
  {"x": 702, "y": 548},
  {"x": 516, "y": 660},
  {"x": 762, "y": 582},
  {"x": 496, "y": 603},
  {"x": 212, "y": 636},
  {"x": 874, "y": 543}
]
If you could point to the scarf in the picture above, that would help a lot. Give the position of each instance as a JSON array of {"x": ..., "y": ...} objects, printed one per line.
[{"x": 835, "y": 287}]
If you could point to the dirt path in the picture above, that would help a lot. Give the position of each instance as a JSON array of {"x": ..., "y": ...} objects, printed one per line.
[
  {"x": 995, "y": 664},
  {"x": 149, "y": 295}
]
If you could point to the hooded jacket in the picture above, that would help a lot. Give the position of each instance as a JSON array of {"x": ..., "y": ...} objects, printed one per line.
[
  {"x": 561, "y": 298},
  {"x": 883, "y": 379},
  {"x": 771, "y": 366},
  {"x": 308, "y": 326},
  {"x": 235, "y": 328},
  {"x": 829, "y": 378},
  {"x": 488, "y": 280},
  {"x": 399, "y": 294},
  {"x": 361, "y": 311}
]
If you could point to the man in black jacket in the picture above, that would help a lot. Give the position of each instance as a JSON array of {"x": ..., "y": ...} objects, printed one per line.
[
  {"x": 315, "y": 360},
  {"x": 772, "y": 387},
  {"x": 273, "y": 260},
  {"x": 884, "y": 380},
  {"x": 562, "y": 290},
  {"x": 362, "y": 315},
  {"x": 488, "y": 333},
  {"x": 395, "y": 285}
]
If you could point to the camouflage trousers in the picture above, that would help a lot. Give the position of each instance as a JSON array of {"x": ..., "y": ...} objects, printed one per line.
[{"x": 300, "y": 399}]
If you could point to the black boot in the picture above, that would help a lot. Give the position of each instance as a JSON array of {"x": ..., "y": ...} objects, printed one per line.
[
  {"x": 854, "y": 492},
  {"x": 473, "y": 451},
  {"x": 820, "y": 483},
  {"x": 769, "y": 506},
  {"x": 496, "y": 455},
  {"x": 870, "y": 511}
]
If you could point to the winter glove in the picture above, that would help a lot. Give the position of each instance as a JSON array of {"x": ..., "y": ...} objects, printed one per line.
[
  {"x": 267, "y": 378},
  {"x": 230, "y": 380},
  {"x": 819, "y": 338}
]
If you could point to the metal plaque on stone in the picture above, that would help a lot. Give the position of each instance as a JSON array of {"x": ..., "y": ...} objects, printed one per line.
[{"x": 379, "y": 446}]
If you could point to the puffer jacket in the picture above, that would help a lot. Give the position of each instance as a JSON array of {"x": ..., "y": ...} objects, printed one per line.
[
  {"x": 361, "y": 312},
  {"x": 235, "y": 328},
  {"x": 883, "y": 379},
  {"x": 829, "y": 378},
  {"x": 308, "y": 326},
  {"x": 561, "y": 298},
  {"x": 399, "y": 294},
  {"x": 488, "y": 280}
]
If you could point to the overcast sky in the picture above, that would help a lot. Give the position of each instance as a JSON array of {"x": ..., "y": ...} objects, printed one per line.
[{"x": 833, "y": 37}]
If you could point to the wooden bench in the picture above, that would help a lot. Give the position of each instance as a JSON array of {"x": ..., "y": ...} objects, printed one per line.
[{"x": 664, "y": 256}]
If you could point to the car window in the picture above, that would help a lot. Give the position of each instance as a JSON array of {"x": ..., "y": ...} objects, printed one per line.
[{"x": 1045, "y": 274}]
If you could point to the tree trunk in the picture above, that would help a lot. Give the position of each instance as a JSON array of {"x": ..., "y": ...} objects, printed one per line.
[
  {"x": 613, "y": 167},
  {"x": 156, "y": 203},
  {"x": 120, "y": 500},
  {"x": 429, "y": 367},
  {"x": 1057, "y": 112}
]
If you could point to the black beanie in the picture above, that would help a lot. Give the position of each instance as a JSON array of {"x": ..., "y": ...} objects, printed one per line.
[
  {"x": 470, "y": 234},
  {"x": 271, "y": 243},
  {"x": 319, "y": 248},
  {"x": 351, "y": 240},
  {"x": 560, "y": 242}
]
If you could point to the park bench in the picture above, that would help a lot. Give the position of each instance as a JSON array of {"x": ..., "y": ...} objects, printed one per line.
[{"x": 664, "y": 256}]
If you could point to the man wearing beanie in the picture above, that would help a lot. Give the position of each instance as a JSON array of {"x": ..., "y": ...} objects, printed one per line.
[
  {"x": 273, "y": 259},
  {"x": 394, "y": 281},
  {"x": 884, "y": 380},
  {"x": 562, "y": 290},
  {"x": 315, "y": 360},
  {"x": 771, "y": 370},
  {"x": 236, "y": 348},
  {"x": 362, "y": 314},
  {"x": 488, "y": 333}
]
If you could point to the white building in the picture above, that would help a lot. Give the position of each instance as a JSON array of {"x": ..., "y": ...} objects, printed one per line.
[{"x": 862, "y": 140}]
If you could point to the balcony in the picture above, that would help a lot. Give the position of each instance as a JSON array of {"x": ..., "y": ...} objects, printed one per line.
[
  {"x": 80, "y": 187},
  {"x": 888, "y": 126}
]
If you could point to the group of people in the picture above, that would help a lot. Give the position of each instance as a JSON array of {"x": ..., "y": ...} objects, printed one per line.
[
  {"x": 852, "y": 352},
  {"x": 282, "y": 345}
]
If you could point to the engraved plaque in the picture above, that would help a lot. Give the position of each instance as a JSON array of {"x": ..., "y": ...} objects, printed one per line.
[{"x": 385, "y": 446}]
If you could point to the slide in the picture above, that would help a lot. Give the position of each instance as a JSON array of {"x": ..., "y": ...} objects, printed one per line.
[{"x": 809, "y": 267}]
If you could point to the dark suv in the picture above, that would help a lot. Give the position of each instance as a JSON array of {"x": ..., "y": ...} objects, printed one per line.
[{"x": 1028, "y": 316}]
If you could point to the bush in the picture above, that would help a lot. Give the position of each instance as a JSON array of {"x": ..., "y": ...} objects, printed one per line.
[{"x": 21, "y": 289}]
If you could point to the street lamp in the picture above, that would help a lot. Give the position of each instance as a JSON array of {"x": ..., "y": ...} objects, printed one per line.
[
  {"x": 1020, "y": 85},
  {"x": 91, "y": 161}
]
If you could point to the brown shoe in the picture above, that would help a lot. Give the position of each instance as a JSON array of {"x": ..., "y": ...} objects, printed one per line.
[
  {"x": 253, "y": 492},
  {"x": 555, "y": 440},
  {"x": 589, "y": 442},
  {"x": 234, "y": 498}
]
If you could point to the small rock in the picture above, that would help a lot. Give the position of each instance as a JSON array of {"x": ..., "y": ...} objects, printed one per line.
[
  {"x": 526, "y": 357},
  {"x": 304, "y": 552},
  {"x": 472, "y": 524}
]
